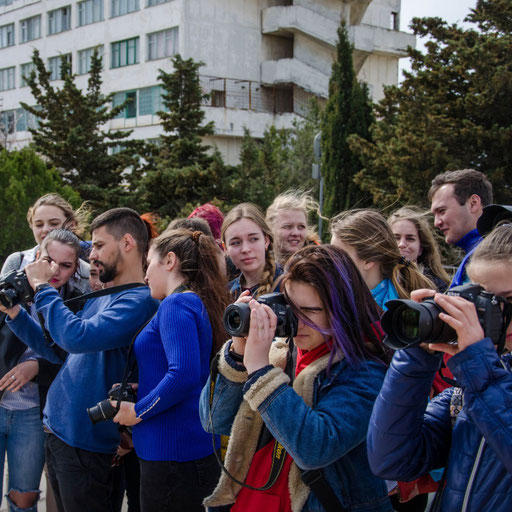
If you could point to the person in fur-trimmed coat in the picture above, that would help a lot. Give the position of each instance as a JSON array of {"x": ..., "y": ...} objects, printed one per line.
[{"x": 318, "y": 423}]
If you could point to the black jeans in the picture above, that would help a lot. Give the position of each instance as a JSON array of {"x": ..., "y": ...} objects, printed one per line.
[
  {"x": 81, "y": 480},
  {"x": 167, "y": 486}
]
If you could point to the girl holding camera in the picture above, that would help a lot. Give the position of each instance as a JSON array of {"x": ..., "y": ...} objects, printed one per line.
[
  {"x": 21, "y": 428},
  {"x": 248, "y": 242},
  {"x": 313, "y": 418},
  {"x": 173, "y": 351},
  {"x": 467, "y": 429}
]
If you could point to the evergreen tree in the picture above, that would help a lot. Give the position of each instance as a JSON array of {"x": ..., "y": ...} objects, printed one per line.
[
  {"x": 347, "y": 112},
  {"x": 24, "y": 177},
  {"x": 71, "y": 133},
  {"x": 452, "y": 111},
  {"x": 182, "y": 119},
  {"x": 186, "y": 172}
]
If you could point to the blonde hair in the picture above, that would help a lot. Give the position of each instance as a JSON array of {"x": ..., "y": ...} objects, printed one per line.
[
  {"x": 76, "y": 220},
  {"x": 495, "y": 247},
  {"x": 292, "y": 200},
  {"x": 370, "y": 235},
  {"x": 430, "y": 255},
  {"x": 252, "y": 212}
]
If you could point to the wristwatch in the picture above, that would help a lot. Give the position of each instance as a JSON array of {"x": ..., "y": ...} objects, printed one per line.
[{"x": 40, "y": 287}]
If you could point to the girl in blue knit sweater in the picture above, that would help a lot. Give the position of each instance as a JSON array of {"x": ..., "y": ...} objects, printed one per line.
[{"x": 178, "y": 467}]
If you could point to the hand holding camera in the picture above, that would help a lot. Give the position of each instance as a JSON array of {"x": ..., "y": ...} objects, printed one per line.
[
  {"x": 40, "y": 272},
  {"x": 448, "y": 323},
  {"x": 261, "y": 333}
]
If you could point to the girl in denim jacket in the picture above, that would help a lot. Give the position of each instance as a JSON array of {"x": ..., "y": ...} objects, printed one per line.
[{"x": 321, "y": 420}]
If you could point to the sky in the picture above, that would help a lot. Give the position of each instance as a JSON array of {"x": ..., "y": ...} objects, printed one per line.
[{"x": 453, "y": 11}]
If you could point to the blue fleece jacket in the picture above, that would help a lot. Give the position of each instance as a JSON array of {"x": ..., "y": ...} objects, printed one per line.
[
  {"x": 97, "y": 339},
  {"x": 173, "y": 353},
  {"x": 469, "y": 242}
]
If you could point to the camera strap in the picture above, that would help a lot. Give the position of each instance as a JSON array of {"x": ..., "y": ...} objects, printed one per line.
[
  {"x": 87, "y": 296},
  {"x": 130, "y": 360}
]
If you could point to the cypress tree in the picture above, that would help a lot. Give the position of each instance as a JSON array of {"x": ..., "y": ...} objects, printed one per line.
[{"x": 347, "y": 112}]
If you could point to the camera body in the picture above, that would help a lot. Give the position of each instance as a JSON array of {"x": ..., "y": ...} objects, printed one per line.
[
  {"x": 15, "y": 289},
  {"x": 104, "y": 410},
  {"x": 408, "y": 323},
  {"x": 237, "y": 317}
]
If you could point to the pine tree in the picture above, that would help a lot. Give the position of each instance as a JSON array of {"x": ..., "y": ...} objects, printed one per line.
[
  {"x": 71, "y": 133},
  {"x": 347, "y": 112},
  {"x": 452, "y": 111},
  {"x": 186, "y": 171}
]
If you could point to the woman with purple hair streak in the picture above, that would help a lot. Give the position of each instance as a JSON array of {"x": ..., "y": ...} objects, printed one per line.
[{"x": 318, "y": 416}]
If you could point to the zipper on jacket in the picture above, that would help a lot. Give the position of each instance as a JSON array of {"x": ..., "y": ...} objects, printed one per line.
[{"x": 472, "y": 476}]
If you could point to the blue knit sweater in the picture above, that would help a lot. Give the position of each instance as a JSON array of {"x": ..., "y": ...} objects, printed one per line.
[
  {"x": 173, "y": 354},
  {"x": 97, "y": 339}
]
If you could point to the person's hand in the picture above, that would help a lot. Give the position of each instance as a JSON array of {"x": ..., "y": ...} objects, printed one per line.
[
  {"x": 238, "y": 343},
  {"x": 261, "y": 334},
  {"x": 422, "y": 294},
  {"x": 40, "y": 272},
  {"x": 461, "y": 316},
  {"x": 16, "y": 378},
  {"x": 126, "y": 414},
  {"x": 12, "y": 313}
]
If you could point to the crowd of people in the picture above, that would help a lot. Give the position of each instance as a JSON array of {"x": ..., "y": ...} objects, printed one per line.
[{"x": 120, "y": 374}]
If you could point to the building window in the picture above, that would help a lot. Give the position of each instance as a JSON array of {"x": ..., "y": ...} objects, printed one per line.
[
  {"x": 218, "y": 98},
  {"x": 59, "y": 20},
  {"x": 7, "y": 78},
  {"x": 7, "y": 122},
  {"x": 90, "y": 11},
  {"x": 30, "y": 29},
  {"x": 54, "y": 66},
  {"x": 163, "y": 44},
  {"x": 125, "y": 53},
  {"x": 7, "y": 35},
  {"x": 150, "y": 100},
  {"x": 150, "y": 3},
  {"x": 120, "y": 7},
  {"x": 84, "y": 59},
  {"x": 130, "y": 109},
  {"x": 395, "y": 21},
  {"x": 25, "y": 70}
]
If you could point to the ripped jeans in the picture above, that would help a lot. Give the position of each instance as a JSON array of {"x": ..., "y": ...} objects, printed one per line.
[{"x": 22, "y": 437}]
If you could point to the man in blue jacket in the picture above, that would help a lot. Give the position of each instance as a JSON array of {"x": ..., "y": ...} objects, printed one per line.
[
  {"x": 458, "y": 199},
  {"x": 78, "y": 454}
]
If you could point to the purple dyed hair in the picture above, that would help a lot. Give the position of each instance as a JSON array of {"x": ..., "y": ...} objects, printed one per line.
[{"x": 353, "y": 314}]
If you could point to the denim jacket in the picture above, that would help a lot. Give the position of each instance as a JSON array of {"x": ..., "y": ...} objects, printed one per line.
[
  {"x": 321, "y": 421},
  {"x": 409, "y": 436}
]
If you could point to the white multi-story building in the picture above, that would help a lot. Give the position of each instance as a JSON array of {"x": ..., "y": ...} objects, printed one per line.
[{"x": 263, "y": 59}]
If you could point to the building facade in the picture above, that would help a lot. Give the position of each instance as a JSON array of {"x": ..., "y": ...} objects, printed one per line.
[{"x": 263, "y": 59}]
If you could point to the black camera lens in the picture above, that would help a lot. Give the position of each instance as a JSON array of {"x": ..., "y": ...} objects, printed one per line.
[
  {"x": 9, "y": 298},
  {"x": 408, "y": 320},
  {"x": 102, "y": 411},
  {"x": 407, "y": 324},
  {"x": 237, "y": 319}
]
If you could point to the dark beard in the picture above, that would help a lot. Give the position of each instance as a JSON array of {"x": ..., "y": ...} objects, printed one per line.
[{"x": 108, "y": 272}]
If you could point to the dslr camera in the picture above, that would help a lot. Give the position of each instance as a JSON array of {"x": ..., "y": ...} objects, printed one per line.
[
  {"x": 408, "y": 323},
  {"x": 237, "y": 317},
  {"x": 15, "y": 289},
  {"x": 104, "y": 410}
]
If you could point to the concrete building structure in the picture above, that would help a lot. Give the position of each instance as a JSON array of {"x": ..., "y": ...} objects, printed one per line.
[{"x": 263, "y": 59}]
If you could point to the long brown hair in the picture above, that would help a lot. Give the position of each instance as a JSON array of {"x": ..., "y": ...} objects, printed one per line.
[
  {"x": 370, "y": 235},
  {"x": 198, "y": 256},
  {"x": 252, "y": 212},
  {"x": 430, "y": 254}
]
